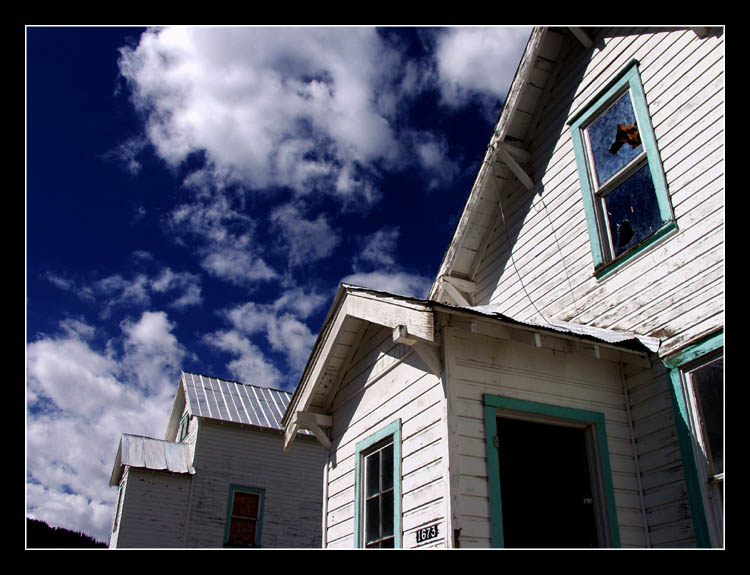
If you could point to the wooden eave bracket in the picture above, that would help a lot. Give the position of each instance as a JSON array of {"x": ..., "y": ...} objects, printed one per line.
[
  {"x": 454, "y": 287},
  {"x": 510, "y": 156},
  {"x": 315, "y": 422},
  {"x": 428, "y": 351}
]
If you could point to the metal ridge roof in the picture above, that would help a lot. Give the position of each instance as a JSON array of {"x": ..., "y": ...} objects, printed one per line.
[{"x": 216, "y": 398}]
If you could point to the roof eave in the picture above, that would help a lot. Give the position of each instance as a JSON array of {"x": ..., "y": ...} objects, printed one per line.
[{"x": 512, "y": 100}]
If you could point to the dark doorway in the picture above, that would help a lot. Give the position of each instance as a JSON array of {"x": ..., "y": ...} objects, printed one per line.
[{"x": 545, "y": 485}]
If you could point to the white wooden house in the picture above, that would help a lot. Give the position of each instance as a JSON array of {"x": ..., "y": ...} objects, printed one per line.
[
  {"x": 562, "y": 385},
  {"x": 219, "y": 478}
]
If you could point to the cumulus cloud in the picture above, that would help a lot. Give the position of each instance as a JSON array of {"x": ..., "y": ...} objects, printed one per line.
[
  {"x": 377, "y": 267},
  {"x": 282, "y": 326},
  {"x": 217, "y": 229},
  {"x": 307, "y": 240},
  {"x": 268, "y": 106},
  {"x": 178, "y": 290},
  {"x": 80, "y": 398},
  {"x": 478, "y": 62},
  {"x": 392, "y": 281},
  {"x": 249, "y": 363}
]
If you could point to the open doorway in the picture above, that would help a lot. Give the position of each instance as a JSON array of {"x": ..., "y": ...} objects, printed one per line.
[{"x": 547, "y": 485}]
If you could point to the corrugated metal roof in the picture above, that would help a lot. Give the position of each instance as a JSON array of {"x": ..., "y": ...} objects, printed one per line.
[
  {"x": 150, "y": 453},
  {"x": 236, "y": 402},
  {"x": 605, "y": 335}
]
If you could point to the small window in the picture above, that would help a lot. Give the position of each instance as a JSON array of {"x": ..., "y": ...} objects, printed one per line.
[
  {"x": 244, "y": 520},
  {"x": 378, "y": 489},
  {"x": 625, "y": 195},
  {"x": 182, "y": 430}
]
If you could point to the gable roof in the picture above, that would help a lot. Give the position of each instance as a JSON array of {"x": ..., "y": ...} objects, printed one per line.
[
  {"x": 215, "y": 398},
  {"x": 413, "y": 322},
  {"x": 150, "y": 453},
  {"x": 508, "y": 154}
]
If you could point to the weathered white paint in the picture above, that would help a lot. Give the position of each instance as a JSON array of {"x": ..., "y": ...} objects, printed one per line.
[
  {"x": 163, "y": 509},
  {"x": 387, "y": 380},
  {"x": 479, "y": 364},
  {"x": 536, "y": 259}
]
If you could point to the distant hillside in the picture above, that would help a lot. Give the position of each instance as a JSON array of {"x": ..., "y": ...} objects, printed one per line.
[{"x": 39, "y": 534}]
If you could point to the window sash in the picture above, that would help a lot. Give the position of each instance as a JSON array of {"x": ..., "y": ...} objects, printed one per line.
[
  {"x": 377, "y": 490},
  {"x": 603, "y": 254},
  {"x": 244, "y": 516}
]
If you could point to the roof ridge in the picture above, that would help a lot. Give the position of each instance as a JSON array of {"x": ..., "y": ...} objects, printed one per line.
[{"x": 237, "y": 382}]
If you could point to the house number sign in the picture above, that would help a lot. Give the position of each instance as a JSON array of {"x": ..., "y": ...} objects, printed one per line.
[{"x": 427, "y": 533}]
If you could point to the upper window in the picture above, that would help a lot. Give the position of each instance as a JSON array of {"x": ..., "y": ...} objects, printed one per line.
[
  {"x": 245, "y": 515},
  {"x": 378, "y": 489},
  {"x": 624, "y": 189}
]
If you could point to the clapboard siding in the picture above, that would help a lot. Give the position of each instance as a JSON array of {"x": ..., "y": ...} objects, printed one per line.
[
  {"x": 537, "y": 257},
  {"x": 232, "y": 454},
  {"x": 480, "y": 365},
  {"x": 153, "y": 509},
  {"x": 385, "y": 382},
  {"x": 662, "y": 474}
]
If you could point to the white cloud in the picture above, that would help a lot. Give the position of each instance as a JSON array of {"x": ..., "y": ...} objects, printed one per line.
[
  {"x": 306, "y": 240},
  {"x": 395, "y": 282},
  {"x": 478, "y": 62},
  {"x": 222, "y": 235},
  {"x": 380, "y": 247},
  {"x": 250, "y": 365},
  {"x": 281, "y": 324},
  {"x": 152, "y": 352},
  {"x": 179, "y": 290},
  {"x": 377, "y": 267},
  {"x": 268, "y": 106},
  {"x": 79, "y": 400}
]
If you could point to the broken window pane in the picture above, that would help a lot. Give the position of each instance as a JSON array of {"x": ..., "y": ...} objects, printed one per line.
[
  {"x": 632, "y": 211},
  {"x": 614, "y": 139}
]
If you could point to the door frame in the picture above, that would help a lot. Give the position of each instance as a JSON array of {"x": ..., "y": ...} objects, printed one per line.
[{"x": 594, "y": 422}]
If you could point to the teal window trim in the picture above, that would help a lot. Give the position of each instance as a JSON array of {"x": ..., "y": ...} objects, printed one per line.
[
  {"x": 262, "y": 497},
  {"x": 392, "y": 430},
  {"x": 627, "y": 80},
  {"x": 676, "y": 363},
  {"x": 595, "y": 419},
  {"x": 183, "y": 427}
]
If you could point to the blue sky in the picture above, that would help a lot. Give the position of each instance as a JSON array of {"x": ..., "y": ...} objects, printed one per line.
[{"x": 194, "y": 196}]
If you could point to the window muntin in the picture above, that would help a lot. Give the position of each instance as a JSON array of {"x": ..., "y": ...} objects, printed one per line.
[
  {"x": 244, "y": 517},
  {"x": 624, "y": 190},
  {"x": 377, "y": 488},
  {"x": 378, "y": 516},
  {"x": 610, "y": 153}
]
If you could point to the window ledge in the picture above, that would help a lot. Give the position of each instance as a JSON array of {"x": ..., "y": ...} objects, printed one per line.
[{"x": 609, "y": 268}]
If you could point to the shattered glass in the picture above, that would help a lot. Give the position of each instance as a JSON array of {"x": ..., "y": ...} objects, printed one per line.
[
  {"x": 632, "y": 211},
  {"x": 614, "y": 139}
]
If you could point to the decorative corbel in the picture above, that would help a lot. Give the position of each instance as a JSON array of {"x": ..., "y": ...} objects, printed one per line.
[
  {"x": 315, "y": 422},
  {"x": 426, "y": 350},
  {"x": 506, "y": 155}
]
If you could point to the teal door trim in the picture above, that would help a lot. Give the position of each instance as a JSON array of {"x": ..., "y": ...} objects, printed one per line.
[{"x": 592, "y": 418}]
